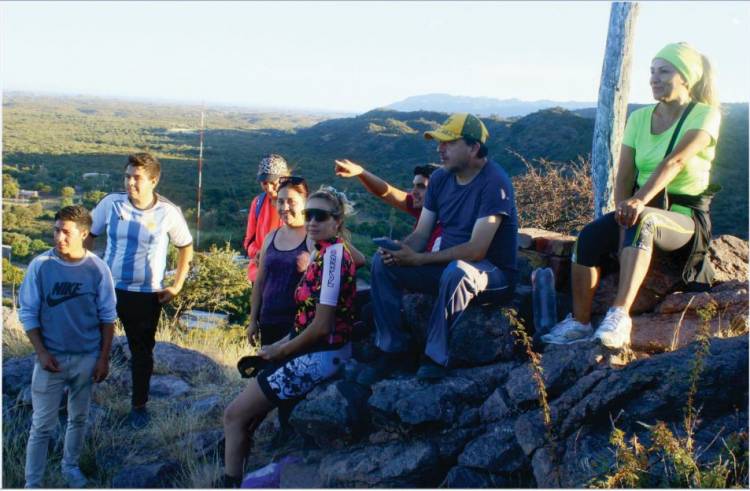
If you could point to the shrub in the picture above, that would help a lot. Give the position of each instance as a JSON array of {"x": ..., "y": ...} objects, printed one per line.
[
  {"x": 12, "y": 275},
  {"x": 552, "y": 197},
  {"x": 215, "y": 283}
]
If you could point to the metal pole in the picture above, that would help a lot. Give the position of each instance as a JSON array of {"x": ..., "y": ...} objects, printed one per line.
[
  {"x": 612, "y": 108},
  {"x": 200, "y": 187}
]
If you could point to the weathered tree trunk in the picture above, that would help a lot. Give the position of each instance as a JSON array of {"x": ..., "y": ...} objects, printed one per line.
[{"x": 611, "y": 111}]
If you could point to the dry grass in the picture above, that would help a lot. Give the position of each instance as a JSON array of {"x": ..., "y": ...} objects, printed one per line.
[
  {"x": 554, "y": 197},
  {"x": 111, "y": 444}
]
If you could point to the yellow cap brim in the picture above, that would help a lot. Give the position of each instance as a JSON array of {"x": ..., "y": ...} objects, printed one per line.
[{"x": 441, "y": 136}]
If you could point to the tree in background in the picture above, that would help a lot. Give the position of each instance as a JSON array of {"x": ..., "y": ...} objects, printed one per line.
[
  {"x": 36, "y": 209},
  {"x": 92, "y": 198},
  {"x": 19, "y": 243},
  {"x": 10, "y": 187},
  {"x": 215, "y": 283},
  {"x": 67, "y": 192},
  {"x": 43, "y": 188},
  {"x": 11, "y": 274}
]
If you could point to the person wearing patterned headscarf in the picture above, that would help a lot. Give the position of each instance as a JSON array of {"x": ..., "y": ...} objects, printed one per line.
[{"x": 262, "y": 216}]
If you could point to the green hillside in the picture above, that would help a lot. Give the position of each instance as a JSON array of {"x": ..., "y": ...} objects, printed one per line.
[{"x": 53, "y": 141}]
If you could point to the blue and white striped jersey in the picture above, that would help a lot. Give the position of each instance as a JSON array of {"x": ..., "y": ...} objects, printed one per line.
[{"x": 137, "y": 240}]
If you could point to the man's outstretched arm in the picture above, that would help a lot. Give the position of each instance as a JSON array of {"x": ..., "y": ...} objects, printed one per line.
[{"x": 374, "y": 184}]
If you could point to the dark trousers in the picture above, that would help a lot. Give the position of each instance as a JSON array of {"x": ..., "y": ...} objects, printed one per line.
[{"x": 139, "y": 314}]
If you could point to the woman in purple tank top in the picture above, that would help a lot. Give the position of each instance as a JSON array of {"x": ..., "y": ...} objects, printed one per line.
[{"x": 283, "y": 259}]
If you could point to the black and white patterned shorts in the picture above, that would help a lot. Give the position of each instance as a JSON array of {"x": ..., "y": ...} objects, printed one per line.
[{"x": 296, "y": 377}]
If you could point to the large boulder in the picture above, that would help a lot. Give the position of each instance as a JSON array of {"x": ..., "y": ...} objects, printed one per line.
[
  {"x": 168, "y": 386},
  {"x": 488, "y": 325},
  {"x": 412, "y": 403},
  {"x": 676, "y": 320},
  {"x": 17, "y": 374},
  {"x": 562, "y": 366},
  {"x": 334, "y": 417},
  {"x": 170, "y": 358},
  {"x": 728, "y": 255},
  {"x": 646, "y": 391},
  {"x": 467, "y": 477},
  {"x": 495, "y": 451},
  {"x": 412, "y": 464},
  {"x": 154, "y": 475}
]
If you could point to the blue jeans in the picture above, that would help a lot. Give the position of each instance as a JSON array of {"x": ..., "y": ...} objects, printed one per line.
[
  {"x": 46, "y": 394},
  {"x": 455, "y": 285}
]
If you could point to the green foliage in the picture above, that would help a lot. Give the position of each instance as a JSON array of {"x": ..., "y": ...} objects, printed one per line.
[
  {"x": 215, "y": 283},
  {"x": 12, "y": 275},
  {"x": 67, "y": 192},
  {"x": 36, "y": 209},
  {"x": 66, "y": 202},
  {"x": 20, "y": 244},
  {"x": 92, "y": 198},
  {"x": 43, "y": 188},
  {"x": 10, "y": 187},
  {"x": 10, "y": 221}
]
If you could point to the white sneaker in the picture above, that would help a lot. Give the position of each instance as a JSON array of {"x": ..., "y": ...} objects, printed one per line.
[
  {"x": 568, "y": 331},
  {"x": 614, "y": 331}
]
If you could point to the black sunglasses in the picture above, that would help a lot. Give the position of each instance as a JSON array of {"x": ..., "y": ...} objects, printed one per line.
[{"x": 318, "y": 214}]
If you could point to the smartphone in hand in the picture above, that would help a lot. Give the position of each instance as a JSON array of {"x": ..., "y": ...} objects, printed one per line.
[{"x": 386, "y": 243}]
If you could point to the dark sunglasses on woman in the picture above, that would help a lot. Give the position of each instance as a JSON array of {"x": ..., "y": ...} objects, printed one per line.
[{"x": 318, "y": 214}]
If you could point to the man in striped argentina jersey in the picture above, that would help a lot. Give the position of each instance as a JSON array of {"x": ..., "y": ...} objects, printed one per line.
[{"x": 139, "y": 224}]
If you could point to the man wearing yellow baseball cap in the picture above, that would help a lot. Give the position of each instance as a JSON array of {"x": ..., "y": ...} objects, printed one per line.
[{"x": 472, "y": 197}]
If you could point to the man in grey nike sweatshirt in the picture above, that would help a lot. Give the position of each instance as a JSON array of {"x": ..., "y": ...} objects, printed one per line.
[{"x": 68, "y": 312}]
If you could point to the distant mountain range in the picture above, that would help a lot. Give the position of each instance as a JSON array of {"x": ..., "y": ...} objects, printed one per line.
[{"x": 482, "y": 106}]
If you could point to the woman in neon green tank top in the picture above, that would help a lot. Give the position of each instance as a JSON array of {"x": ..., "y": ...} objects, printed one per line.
[{"x": 657, "y": 191}]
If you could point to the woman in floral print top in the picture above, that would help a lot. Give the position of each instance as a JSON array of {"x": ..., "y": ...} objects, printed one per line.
[
  {"x": 317, "y": 346},
  {"x": 314, "y": 285}
]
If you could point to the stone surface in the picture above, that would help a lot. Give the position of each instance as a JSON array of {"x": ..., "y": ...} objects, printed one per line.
[
  {"x": 676, "y": 320},
  {"x": 494, "y": 408},
  {"x": 645, "y": 391},
  {"x": 562, "y": 366},
  {"x": 411, "y": 464},
  {"x": 208, "y": 407},
  {"x": 496, "y": 450},
  {"x": 466, "y": 477},
  {"x": 172, "y": 359},
  {"x": 729, "y": 256},
  {"x": 205, "y": 443},
  {"x": 334, "y": 417},
  {"x": 168, "y": 386},
  {"x": 17, "y": 374},
  {"x": 413, "y": 402},
  {"x": 155, "y": 475}
]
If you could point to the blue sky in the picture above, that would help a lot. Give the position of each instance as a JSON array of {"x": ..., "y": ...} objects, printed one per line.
[{"x": 343, "y": 56}]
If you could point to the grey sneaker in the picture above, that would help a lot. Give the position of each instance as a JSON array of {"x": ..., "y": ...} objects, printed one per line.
[
  {"x": 614, "y": 331},
  {"x": 568, "y": 331},
  {"x": 74, "y": 477}
]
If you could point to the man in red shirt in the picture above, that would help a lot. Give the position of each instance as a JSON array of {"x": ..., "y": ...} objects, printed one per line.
[
  {"x": 262, "y": 216},
  {"x": 411, "y": 202}
]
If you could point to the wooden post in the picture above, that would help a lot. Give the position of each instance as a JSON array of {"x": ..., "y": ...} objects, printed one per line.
[{"x": 612, "y": 108}]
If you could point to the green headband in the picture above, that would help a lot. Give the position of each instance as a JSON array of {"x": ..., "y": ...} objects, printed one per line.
[{"x": 685, "y": 59}]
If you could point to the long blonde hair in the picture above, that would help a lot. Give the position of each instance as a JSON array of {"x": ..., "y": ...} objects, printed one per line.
[{"x": 704, "y": 89}]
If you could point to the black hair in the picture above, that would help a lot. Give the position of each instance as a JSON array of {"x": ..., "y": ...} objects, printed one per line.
[
  {"x": 76, "y": 214},
  {"x": 425, "y": 170},
  {"x": 483, "y": 150}
]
